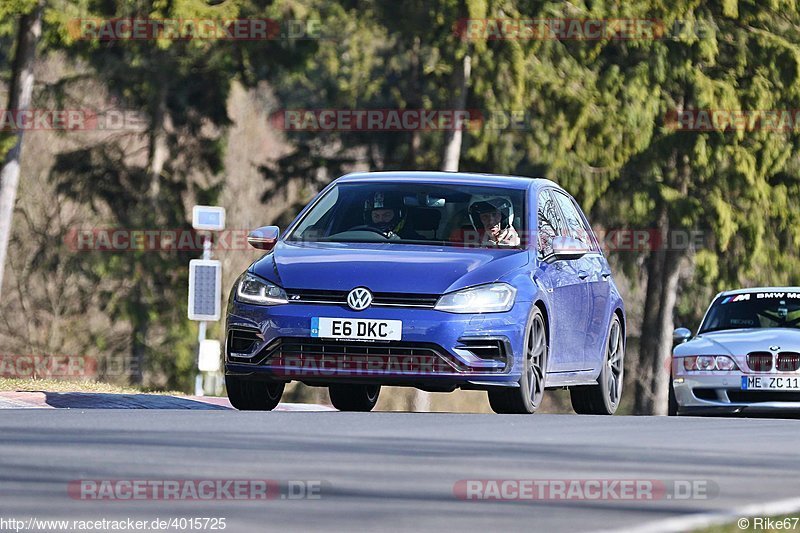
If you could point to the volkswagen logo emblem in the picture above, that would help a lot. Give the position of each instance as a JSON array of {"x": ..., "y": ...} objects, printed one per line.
[
  {"x": 359, "y": 298},
  {"x": 774, "y": 348}
]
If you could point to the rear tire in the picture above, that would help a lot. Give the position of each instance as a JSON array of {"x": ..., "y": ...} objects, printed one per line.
[
  {"x": 526, "y": 398},
  {"x": 360, "y": 398},
  {"x": 603, "y": 398},
  {"x": 246, "y": 395}
]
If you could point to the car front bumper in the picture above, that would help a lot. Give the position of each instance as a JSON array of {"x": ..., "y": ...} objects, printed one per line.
[
  {"x": 722, "y": 394},
  {"x": 434, "y": 352}
]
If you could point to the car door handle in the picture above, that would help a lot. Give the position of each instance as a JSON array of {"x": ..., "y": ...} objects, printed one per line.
[{"x": 583, "y": 274}]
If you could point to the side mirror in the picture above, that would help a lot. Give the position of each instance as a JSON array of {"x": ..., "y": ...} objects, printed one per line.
[
  {"x": 681, "y": 335},
  {"x": 264, "y": 238},
  {"x": 569, "y": 248}
]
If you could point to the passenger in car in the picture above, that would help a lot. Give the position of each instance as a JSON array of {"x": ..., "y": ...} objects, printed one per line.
[{"x": 494, "y": 219}]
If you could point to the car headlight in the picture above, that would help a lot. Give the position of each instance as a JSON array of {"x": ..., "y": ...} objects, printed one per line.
[
  {"x": 253, "y": 290},
  {"x": 494, "y": 298},
  {"x": 709, "y": 362}
]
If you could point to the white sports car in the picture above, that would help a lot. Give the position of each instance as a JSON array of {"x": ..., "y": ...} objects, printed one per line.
[{"x": 745, "y": 359}]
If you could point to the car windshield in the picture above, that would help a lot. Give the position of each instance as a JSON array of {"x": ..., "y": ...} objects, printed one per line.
[
  {"x": 754, "y": 310},
  {"x": 416, "y": 213}
]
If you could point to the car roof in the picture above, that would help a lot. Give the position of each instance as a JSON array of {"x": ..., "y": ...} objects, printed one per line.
[
  {"x": 758, "y": 289},
  {"x": 465, "y": 178}
]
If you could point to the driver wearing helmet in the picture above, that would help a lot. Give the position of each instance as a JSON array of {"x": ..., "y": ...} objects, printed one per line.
[
  {"x": 494, "y": 218},
  {"x": 387, "y": 214}
]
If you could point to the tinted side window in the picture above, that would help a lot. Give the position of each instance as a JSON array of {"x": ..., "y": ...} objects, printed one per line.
[
  {"x": 574, "y": 222},
  {"x": 550, "y": 225}
]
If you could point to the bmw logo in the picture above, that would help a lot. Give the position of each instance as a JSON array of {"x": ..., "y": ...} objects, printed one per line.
[
  {"x": 774, "y": 348},
  {"x": 359, "y": 298}
]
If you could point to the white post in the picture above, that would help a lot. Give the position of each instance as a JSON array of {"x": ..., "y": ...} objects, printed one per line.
[
  {"x": 205, "y": 218},
  {"x": 198, "y": 382}
]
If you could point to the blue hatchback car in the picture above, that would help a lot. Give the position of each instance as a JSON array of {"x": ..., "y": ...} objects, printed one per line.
[{"x": 430, "y": 280}]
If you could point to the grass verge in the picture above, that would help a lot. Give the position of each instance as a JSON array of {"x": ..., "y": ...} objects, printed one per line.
[{"x": 59, "y": 385}]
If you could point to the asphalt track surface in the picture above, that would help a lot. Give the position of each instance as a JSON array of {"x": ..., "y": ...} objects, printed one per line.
[{"x": 391, "y": 471}]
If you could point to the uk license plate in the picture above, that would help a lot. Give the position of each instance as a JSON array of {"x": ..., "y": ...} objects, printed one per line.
[{"x": 356, "y": 328}]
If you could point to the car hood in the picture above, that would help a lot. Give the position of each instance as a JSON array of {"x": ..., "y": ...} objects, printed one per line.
[
  {"x": 382, "y": 267},
  {"x": 741, "y": 342}
]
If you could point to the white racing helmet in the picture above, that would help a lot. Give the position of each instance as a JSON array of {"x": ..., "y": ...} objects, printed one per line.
[{"x": 488, "y": 204}]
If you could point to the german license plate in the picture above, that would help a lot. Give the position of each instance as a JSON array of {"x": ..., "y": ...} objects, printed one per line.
[
  {"x": 356, "y": 328},
  {"x": 771, "y": 383}
]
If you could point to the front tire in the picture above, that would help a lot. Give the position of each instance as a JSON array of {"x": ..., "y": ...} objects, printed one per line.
[
  {"x": 527, "y": 398},
  {"x": 672, "y": 405},
  {"x": 360, "y": 398},
  {"x": 603, "y": 398},
  {"x": 247, "y": 395}
]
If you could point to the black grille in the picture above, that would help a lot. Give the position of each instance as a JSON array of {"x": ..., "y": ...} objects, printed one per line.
[
  {"x": 378, "y": 298},
  {"x": 759, "y": 361},
  {"x": 758, "y": 396},
  {"x": 788, "y": 361},
  {"x": 388, "y": 356},
  {"x": 242, "y": 340},
  {"x": 394, "y": 357},
  {"x": 394, "y": 298}
]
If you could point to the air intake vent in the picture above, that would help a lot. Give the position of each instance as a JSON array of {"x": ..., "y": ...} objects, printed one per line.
[
  {"x": 760, "y": 396},
  {"x": 242, "y": 341},
  {"x": 359, "y": 357},
  {"x": 706, "y": 394},
  {"x": 485, "y": 348}
]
